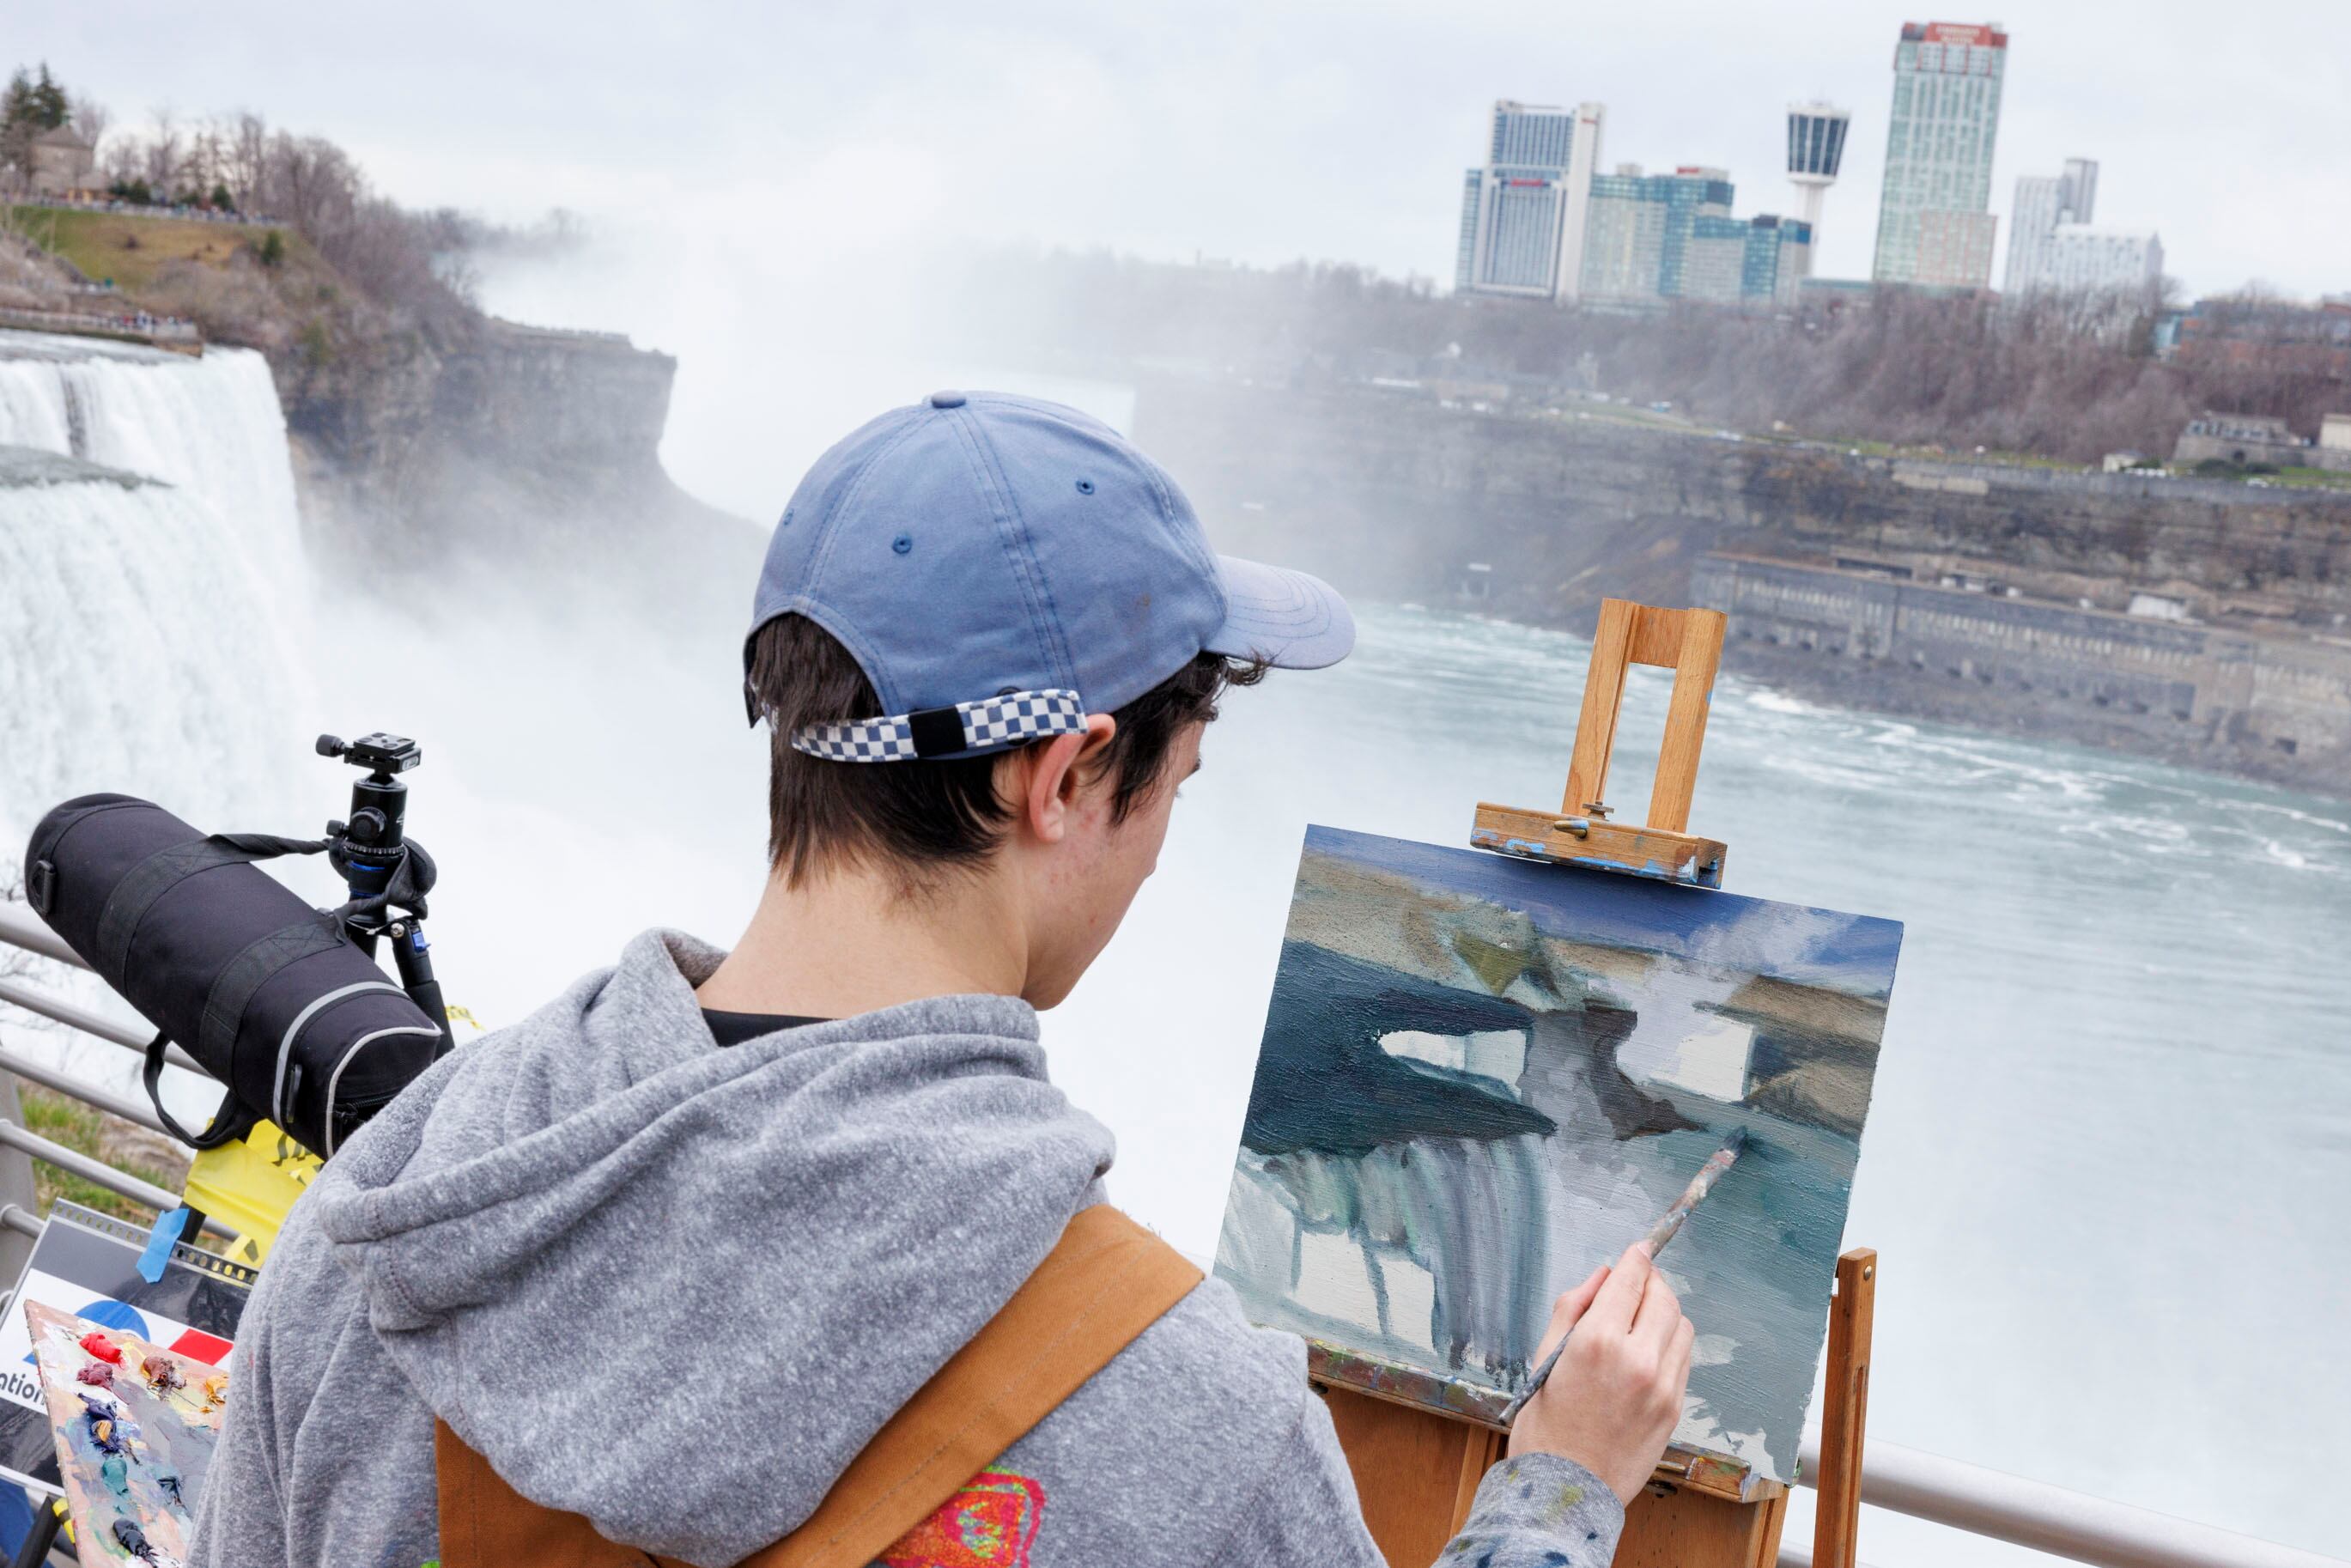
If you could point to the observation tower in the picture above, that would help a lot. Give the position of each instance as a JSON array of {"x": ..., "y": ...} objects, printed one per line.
[{"x": 1815, "y": 150}]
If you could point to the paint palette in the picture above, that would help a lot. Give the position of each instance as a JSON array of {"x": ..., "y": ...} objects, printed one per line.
[
  {"x": 1480, "y": 1077},
  {"x": 135, "y": 1427}
]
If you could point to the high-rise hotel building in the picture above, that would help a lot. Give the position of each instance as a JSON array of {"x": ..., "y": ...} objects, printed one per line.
[
  {"x": 1523, "y": 213},
  {"x": 1934, "y": 219}
]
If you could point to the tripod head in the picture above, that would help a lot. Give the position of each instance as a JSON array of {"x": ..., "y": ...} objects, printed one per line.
[
  {"x": 385, "y": 754},
  {"x": 373, "y": 855},
  {"x": 367, "y": 850}
]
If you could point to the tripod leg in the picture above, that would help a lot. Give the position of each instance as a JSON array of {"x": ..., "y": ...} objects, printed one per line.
[{"x": 412, "y": 956}]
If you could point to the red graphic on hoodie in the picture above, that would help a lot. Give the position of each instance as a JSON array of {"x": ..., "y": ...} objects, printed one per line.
[{"x": 990, "y": 1523}]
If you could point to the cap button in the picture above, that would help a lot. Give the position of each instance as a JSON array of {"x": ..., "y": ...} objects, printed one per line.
[{"x": 947, "y": 399}]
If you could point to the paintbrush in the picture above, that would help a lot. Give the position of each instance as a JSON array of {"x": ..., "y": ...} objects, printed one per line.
[{"x": 1667, "y": 1227}]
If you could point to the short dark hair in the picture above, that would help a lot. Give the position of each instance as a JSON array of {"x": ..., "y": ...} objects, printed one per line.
[{"x": 922, "y": 817}]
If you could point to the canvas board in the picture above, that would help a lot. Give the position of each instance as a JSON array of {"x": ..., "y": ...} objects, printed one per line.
[
  {"x": 135, "y": 1427},
  {"x": 1481, "y": 1077}
]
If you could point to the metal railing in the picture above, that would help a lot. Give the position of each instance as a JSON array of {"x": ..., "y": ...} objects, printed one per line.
[
  {"x": 1965, "y": 1496},
  {"x": 2004, "y": 1507},
  {"x": 19, "y": 927}
]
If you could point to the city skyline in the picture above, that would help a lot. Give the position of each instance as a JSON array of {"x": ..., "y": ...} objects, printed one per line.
[{"x": 1154, "y": 122}]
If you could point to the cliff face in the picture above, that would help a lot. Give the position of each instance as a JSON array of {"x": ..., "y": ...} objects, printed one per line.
[
  {"x": 1987, "y": 595},
  {"x": 501, "y": 446},
  {"x": 393, "y": 409}
]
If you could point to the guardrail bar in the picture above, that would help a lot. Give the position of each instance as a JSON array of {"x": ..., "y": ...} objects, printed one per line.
[
  {"x": 64, "y": 1084},
  {"x": 99, "y": 1174},
  {"x": 82, "y": 1018},
  {"x": 20, "y": 928},
  {"x": 2049, "y": 1518}
]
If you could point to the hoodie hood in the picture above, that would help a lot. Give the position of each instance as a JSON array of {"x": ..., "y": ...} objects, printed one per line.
[{"x": 676, "y": 1287}]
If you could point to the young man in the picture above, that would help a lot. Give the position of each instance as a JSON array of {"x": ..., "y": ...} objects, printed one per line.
[{"x": 669, "y": 1253}]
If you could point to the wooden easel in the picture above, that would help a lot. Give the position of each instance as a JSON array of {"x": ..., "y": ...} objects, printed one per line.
[
  {"x": 1417, "y": 1471},
  {"x": 1690, "y": 643}
]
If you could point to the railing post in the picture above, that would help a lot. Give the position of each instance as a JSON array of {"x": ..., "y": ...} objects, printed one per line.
[{"x": 16, "y": 1185}]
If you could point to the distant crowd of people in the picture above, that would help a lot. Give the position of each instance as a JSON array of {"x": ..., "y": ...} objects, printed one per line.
[
  {"x": 199, "y": 211},
  {"x": 145, "y": 323}
]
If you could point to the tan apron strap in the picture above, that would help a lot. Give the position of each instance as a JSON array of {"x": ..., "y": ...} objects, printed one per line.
[
  {"x": 485, "y": 1523},
  {"x": 1105, "y": 1282}
]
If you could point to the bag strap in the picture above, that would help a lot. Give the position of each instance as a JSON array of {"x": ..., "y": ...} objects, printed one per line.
[
  {"x": 150, "y": 880},
  {"x": 228, "y": 1124},
  {"x": 1104, "y": 1282}
]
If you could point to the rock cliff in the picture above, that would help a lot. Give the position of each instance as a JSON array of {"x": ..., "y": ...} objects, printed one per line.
[{"x": 506, "y": 446}]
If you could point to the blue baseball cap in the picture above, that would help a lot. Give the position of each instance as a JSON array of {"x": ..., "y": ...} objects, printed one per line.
[{"x": 1001, "y": 566}]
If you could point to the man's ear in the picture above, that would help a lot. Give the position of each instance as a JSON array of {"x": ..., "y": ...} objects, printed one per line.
[{"x": 1056, "y": 771}]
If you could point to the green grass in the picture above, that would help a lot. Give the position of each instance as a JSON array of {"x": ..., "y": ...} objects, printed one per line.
[
  {"x": 67, "y": 1121},
  {"x": 129, "y": 248}
]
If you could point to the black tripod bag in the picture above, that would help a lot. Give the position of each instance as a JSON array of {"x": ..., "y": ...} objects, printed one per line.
[{"x": 268, "y": 995}]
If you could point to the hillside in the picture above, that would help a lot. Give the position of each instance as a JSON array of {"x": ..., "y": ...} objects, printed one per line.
[{"x": 135, "y": 252}]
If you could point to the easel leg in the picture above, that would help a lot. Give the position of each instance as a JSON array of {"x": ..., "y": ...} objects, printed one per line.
[{"x": 1850, "y": 1318}]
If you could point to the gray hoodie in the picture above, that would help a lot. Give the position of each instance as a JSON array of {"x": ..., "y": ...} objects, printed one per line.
[{"x": 676, "y": 1288}]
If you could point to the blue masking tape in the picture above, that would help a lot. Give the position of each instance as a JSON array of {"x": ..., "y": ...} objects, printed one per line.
[{"x": 160, "y": 1240}]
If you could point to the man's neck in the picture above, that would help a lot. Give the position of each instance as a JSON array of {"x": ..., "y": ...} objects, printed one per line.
[{"x": 847, "y": 942}]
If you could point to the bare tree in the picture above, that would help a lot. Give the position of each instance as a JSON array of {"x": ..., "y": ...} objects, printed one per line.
[
  {"x": 162, "y": 148},
  {"x": 90, "y": 117},
  {"x": 247, "y": 157}
]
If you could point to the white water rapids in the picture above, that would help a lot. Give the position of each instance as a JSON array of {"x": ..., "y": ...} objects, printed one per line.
[{"x": 2114, "y": 1114}]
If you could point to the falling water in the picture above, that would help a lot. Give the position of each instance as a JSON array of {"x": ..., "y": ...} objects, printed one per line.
[{"x": 152, "y": 601}]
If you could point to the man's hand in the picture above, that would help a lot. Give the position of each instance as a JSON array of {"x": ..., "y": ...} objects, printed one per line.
[{"x": 1611, "y": 1403}]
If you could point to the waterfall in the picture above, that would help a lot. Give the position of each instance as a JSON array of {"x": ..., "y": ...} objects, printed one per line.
[
  {"x": 152, "y": 590},
  {"x": 210, "y": 426}
]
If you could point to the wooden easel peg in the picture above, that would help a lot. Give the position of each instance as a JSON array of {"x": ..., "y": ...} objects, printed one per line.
[{"x": 1690, "y": 643}]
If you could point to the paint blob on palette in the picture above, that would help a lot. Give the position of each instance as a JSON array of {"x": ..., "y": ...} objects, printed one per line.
[
  {"x": 1483, "y": 1077},
  {"x": 136, "y": 1427}
]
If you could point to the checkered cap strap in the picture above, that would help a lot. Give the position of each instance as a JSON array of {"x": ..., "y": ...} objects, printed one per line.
[{"x": 991, "y": 723}]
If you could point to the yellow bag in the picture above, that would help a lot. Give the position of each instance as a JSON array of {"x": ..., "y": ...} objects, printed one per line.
[{"x": 249, "y": 1185}]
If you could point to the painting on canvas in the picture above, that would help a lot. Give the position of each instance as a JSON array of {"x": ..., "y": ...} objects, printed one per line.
[
  {"x": 1481, "y": 1077},
  {"x": 135, "y": 1427}
]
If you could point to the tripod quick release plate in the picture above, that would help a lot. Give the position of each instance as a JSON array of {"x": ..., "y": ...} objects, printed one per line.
[{"x": 379, "y": 752}]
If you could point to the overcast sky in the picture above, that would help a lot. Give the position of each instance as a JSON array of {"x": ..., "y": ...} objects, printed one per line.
[{"x": 1253, "y": 131}]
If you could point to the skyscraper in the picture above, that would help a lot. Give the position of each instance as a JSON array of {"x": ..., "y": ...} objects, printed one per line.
[
  {"x": 1655, "y": 237},
  {"x": 2033, "y": 217},
  {"x": 1639, "y": 230},
  {"x": 2077, "y": 188},
  {"x": 1523, "y": 213},
  {"x": 1938, "y": 148},
  {"x": 2123, "y": 267},
  {"x": 1746, "y": 261},
  {"x": 1815, "y": 152},
  {"x": 2043, "y": 201}
]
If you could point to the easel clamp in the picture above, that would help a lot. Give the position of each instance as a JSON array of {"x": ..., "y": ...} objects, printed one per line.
[{"x": 1690, "y": 643}]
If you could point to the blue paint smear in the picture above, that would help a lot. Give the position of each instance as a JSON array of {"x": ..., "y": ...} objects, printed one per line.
[{"x": 1853, "y": 954}]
